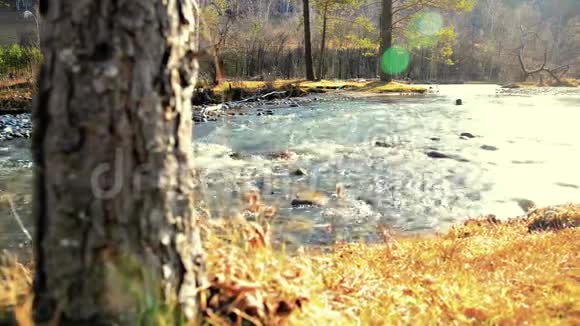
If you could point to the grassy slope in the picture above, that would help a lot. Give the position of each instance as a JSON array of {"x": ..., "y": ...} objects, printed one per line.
[
  {"x": 371, "y": 87},
  {"x": 482, "y": 272}
]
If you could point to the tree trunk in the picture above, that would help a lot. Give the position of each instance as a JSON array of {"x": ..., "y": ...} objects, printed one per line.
[
  {"x": 116, "y": 236},
  {"x": 307, "y": 41},
  {"x": 386, "y": 35},
  {"x": 323, "y": 42}
]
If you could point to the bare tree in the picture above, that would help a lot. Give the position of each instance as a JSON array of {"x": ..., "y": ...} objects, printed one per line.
[
  {"x": 556, "y": 73},
  {"x": 116, "y": 235}
]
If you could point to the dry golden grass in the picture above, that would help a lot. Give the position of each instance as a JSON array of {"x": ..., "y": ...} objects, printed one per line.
[{"x": 484, "y": 272}]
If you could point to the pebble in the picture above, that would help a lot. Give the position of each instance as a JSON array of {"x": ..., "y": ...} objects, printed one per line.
[{"x": 15, "y": 126}]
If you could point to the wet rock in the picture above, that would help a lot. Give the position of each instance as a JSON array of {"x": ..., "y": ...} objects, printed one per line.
[
  {"x": 269, "y": 112},
  {"x": 309, "y": 198},
  {"x": 435, "y": 154},
  {"x": 367, "y": 201},
  {"x": 525, "y": 204},
  {"x": 458, "y": 102},
  {"x": 283, "y": 155},
  {"x": 489, "y": 148},
  {"x": 300, "y": 172},
  {"x": 467, "y": 135},
  {"x": 380, "y": 143},
  {"x": 554, "y": 218},
  {"x": 239, "y": 156}
]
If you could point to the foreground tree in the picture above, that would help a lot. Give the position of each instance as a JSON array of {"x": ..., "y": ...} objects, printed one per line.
[
  {"x": 116, "y": 238},
  {"x": 307, "y": 41}
]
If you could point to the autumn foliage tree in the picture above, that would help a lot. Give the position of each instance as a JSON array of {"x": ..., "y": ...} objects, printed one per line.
[{"x": 396, "y": 15}]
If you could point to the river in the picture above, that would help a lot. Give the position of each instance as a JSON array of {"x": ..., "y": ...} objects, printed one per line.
[{"x": 526, "y": 147}]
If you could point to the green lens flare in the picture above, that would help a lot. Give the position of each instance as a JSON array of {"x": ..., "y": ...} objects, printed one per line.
[
  {"x": 430, "y": 23},
  {"x": 395, "y": 60}
]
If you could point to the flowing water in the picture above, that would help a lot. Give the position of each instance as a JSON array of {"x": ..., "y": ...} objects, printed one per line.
[{"x": 527, "y": 147}]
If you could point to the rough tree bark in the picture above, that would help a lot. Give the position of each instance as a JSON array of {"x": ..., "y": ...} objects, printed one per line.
[
  {"x": 116, "y": 235},
  {"x": 386, "y": 34},
  {"x": 307, "y": 41}
]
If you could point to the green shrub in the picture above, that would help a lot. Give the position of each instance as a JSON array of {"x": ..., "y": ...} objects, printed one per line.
[{"x": 15, "y": 58}]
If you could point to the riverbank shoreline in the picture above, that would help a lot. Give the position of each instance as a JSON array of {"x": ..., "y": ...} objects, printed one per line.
[{"x": 229, "y": 98}]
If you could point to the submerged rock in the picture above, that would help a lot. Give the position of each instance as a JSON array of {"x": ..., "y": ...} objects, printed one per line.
[
  {"x": 489, "y": 148},
  {"x": 439, "y": 155},
  {"x": 309, "y": 198}
]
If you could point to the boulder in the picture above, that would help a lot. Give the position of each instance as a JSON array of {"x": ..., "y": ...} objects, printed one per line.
[
  {"x": 439, "y": 155},
  {"x": 309, "y": 198},
  {"x": 300, "y": 172}
]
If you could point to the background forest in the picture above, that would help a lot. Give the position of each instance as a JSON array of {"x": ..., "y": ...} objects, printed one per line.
[{"x": 448, "y": 40}]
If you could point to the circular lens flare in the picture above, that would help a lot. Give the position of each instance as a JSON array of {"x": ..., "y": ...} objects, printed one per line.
[
  {"x": 395, "y": 60},
  {"x": 430, "y": 23}
]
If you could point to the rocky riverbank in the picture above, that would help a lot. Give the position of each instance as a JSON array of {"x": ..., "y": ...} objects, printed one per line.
[
  {"x": 15, "y": 126},
  {"x": 255, "y": 107},
  {"x": 20, "y": 125}
]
